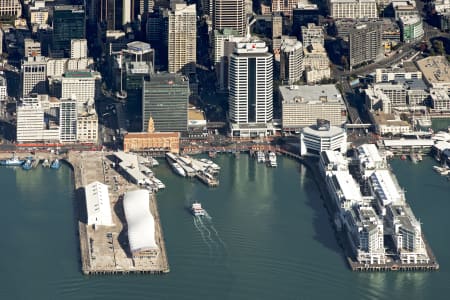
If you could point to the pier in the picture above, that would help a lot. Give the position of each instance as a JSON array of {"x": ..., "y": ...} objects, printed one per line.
[{"x": 105, "y": 249}]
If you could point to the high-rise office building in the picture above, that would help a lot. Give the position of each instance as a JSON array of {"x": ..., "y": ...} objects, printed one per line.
[
  {"x": 251, "y": 96},
  {"x": 224, "y": 43},
  {"x": 68, "y": 120},
  {"x": 34, "y": 75},
  {"x": 291, "y": 59},
  {"x": 69, "y": 22},
  {"x": 302, "y": 15},
  {"x": 165, "y": 98},
  {"x": 3, "y": 88},
  {"x": 10, "y": 8},
  {"x": 312, "y": 34},
  {"x": 284, "y": 6},
  {"x": 229, "y": 14},
  {"x": 182, "y": 38},
  {"x": 364, "y": 43},
  {"x": 31, "y": 48},
  {"x": 79, "y": 86},
  {"x": 353, "y": 9}
]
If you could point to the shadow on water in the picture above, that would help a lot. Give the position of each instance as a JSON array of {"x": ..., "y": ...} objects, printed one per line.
[{"x": 322, "y": 221}]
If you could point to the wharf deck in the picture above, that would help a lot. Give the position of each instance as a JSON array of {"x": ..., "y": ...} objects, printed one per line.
[
  {"x": 312, "y": 164},
  {"x": 105, "y": 249}
]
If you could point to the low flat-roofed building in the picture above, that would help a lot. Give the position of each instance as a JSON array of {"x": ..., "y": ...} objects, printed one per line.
[
  {"x": 197, "y": 123},
  {"x": 385, "y": 189},
  {"x": 98, "y": 205},
  {"x": 332, "y": 161},
  {"x": 436, "y": 71},
  {"x": 345, "y": 191},
  {"x": 140, "y": 223},
  {"x": 440, "y": 100},
  {"x": 321, "y": 137},
  {"x": 129, "y": 163},
  {"x": 409, "y": 71},
  {"x": 303, "y": 105},
  {"x": 369, "y": 159},
  {"x": 152, "y": 141},
  {"x": 389, "y": 123}
]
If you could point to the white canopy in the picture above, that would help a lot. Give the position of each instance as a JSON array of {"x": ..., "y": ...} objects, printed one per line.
[{"x": 141, "y": 225}]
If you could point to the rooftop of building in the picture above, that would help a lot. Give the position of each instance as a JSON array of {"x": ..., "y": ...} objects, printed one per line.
[
  {"x": 365, "y": 217},
  {"x": 290, "y": 43},
  {"x": 138, "y": 67},
  {"x": 382, "y": 118},
  {"x": 141, "y": 224},
  {"x": 435, "y": 69},
  {"x": 226, "y": 32},
  {"x": 352, "y": 1},
  {"x": 196, "y": 114},
  {"x": 315, "y": 48},
  {"x": 331, "y": 132},
  {"x": 334, "y": 157},
  {"x": 369, "y": 155},
  {"x": 147, "y": 135},
  {"x": 404, "y": 215},
  {"x": 167, "y": 78},
  {"x": 411, "y": 19},
  {"x": 403, "y": 4},
  {"x": 139, "y": 46},
  {"x": 69, "y": 7},
  {"x": 78, "y": 74},
  {"x": 347, "y": 184},
  {"x": 385, "y": 187},
  {"x": 251, "y": 47},
  {"x": 310, "y": 93}
]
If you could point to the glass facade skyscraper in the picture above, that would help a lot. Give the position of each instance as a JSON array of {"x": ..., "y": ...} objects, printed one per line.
[
  {"x": 69, "y": 22},
  {"x": 165, "y": 98}
]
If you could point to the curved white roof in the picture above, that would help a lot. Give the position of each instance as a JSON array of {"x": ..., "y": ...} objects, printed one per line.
[{"x": 141, "y": 225}]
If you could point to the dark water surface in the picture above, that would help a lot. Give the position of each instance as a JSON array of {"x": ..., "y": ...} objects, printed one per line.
[{"x": 269, "y": 237}]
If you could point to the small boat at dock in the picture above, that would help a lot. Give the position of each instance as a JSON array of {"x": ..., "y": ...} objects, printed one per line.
[
  {"x": 13, "y": 161},
  {"x": 55, "y": 164},
  {"x": 46, "y": 163},
  {"x": 272, "y": 160},
  {"x": 27, "y": 165}
]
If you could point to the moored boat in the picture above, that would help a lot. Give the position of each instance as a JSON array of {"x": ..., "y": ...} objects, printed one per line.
[
  {"x": 272, "y": 162},
  {"x": 55, "y": 164},
  {"x": 27, "y": 165},
  {"x": 46, "y": 163},
  {"x": 13, "y": 161}
]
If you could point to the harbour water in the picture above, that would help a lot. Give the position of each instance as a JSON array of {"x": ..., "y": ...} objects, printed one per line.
[{"x": 268, "y": 237}]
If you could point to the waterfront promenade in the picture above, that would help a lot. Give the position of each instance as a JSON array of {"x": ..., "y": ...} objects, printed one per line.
[{"x": 104, "y": 249}]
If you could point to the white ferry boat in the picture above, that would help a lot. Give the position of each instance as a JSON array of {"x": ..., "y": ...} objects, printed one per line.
[
  {"x": 272, "y": 160},
  {"x": 197, "y": 209}
]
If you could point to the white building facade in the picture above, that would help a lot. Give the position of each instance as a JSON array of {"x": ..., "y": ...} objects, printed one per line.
[{"x": 251, "y": 94}]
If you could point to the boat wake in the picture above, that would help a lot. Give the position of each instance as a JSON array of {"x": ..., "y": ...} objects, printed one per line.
[{"x": 210, "y": 236}]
